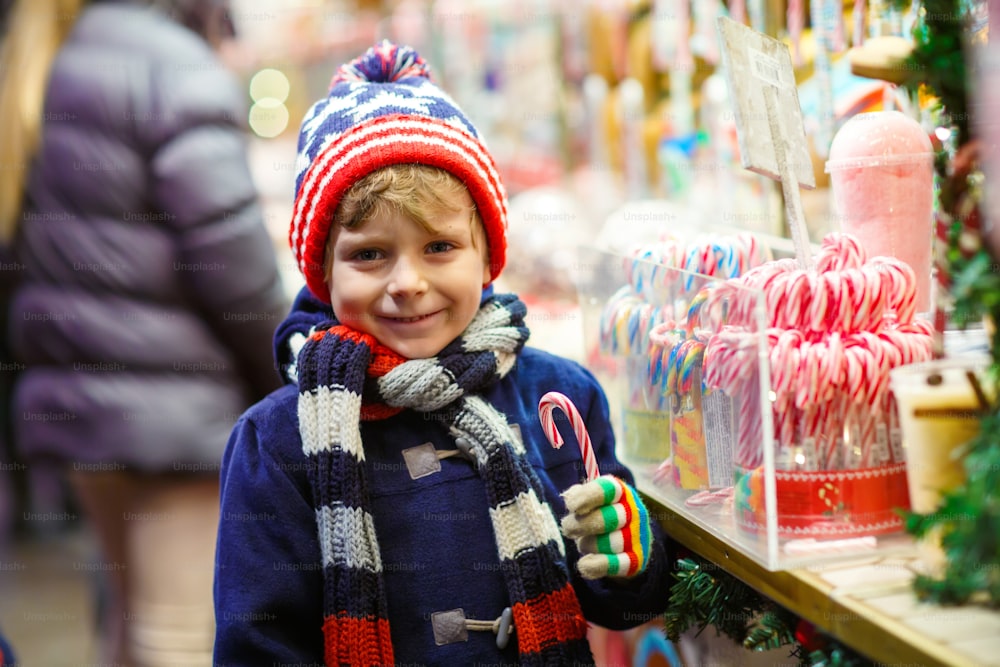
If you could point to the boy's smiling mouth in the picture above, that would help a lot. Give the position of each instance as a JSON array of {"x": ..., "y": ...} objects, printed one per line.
[{"x": 410, "y": 320}]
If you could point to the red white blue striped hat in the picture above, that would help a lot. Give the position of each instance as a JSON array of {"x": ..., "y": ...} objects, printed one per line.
[{"x": 383, "y": 109}]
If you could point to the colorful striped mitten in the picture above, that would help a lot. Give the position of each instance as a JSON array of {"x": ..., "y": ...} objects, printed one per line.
[{"x": 610, "y": 526}]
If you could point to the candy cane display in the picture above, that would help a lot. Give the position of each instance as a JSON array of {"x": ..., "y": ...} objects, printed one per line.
[
  {"x": 830, "y": 337},
  {"x": 834, "y": 334},
  {"x": 550, "y": 402},
  {"x": 648, "y": 266}
]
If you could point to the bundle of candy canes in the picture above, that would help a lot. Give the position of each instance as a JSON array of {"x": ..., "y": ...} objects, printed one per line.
[
  {"x": 675, "y": 372},
  {"x": 675, "y": 361},
  {"x": 662, "y": 281},
  {"x": 652, "y": 269},
  {"x": 833, "y": 334},
  {"x": 663, "y": 277}
]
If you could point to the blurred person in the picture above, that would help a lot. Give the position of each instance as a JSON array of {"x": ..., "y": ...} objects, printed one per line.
[{"x": 146, "y": 291}]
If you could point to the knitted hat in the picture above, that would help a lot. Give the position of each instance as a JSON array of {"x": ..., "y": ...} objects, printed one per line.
[{"x": 383, "y": 109}]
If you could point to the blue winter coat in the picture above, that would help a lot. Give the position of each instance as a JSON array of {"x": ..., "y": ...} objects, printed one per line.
[{"x": 436, "y": 539}]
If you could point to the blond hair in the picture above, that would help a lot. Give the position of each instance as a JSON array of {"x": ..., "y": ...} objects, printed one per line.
[
  {"x": 35, "y": 32},
  {"x": 416, "y": 191}
]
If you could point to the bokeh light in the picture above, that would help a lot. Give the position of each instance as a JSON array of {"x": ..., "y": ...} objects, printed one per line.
[
  {"x": 268, "y": 117},
  {"x": 269, "y": 89},
  {"x": 269, "y": 83}
]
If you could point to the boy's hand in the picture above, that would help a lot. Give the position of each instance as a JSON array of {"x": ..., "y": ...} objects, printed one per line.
[{"x": 611, "y": 528}]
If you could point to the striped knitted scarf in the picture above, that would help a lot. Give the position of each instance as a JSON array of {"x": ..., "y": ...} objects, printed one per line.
[{"x": 346, "y": 376}]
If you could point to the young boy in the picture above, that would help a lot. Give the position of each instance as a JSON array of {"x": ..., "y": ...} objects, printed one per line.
[{"x": 398, "y": 501}]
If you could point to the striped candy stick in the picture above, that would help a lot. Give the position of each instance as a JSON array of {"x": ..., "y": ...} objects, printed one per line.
[{"x": 550, "y": 402}]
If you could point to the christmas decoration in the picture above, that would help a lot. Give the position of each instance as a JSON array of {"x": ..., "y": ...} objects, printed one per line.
[
  {"x": 968, "y": 518},
  {"x": 705, "y": 595}
]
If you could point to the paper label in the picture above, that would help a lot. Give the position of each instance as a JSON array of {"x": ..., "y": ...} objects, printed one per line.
[
  {"x": 837, "y": 460},
  {"x": 896, "y": 443},
  {"x": 854, "y": 455},
  {"x": 896, "y": 437},
  {"x": 764, "y": 67},
  {"x": 809, "y": 453},
  {"x": 881, "y": 444},
  {"x": 720, "y": 438},
  {"x": 784, "y": 457}
]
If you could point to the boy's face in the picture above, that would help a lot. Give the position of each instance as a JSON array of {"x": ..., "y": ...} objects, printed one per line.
[{"x": 414, "y": 290}]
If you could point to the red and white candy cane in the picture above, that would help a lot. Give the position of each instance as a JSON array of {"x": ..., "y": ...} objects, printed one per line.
[{"x": 550, "y": 402}]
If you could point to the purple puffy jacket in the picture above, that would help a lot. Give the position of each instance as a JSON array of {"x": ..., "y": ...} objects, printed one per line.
[{"x": 148, "y": 286}]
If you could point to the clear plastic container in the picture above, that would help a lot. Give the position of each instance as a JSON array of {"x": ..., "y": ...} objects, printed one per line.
[
  {"x": 696, "y": 426},
  {"x": 881, "y": 170}
]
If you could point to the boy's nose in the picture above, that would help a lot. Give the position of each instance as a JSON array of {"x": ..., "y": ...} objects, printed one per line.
[{"x": 407, "y": 278}]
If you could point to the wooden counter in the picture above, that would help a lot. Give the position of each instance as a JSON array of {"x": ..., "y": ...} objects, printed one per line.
[{"x": 866, "y": 603}]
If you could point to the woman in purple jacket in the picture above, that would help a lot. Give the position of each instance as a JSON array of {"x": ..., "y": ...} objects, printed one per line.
[{"x": 146, "y": 294}]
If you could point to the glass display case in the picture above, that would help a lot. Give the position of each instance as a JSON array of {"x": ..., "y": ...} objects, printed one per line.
[{"x": 765, "y": 436}]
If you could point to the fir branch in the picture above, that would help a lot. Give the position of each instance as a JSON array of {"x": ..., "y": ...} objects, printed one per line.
[
  {"x": 699, "y": 599},
  {"x": 938, "y": 59},
  {"x": 775, "y": 628}
]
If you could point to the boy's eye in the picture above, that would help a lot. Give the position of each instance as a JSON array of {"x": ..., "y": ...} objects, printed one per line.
[
  {"x": 367, "y": 255},
  {"x": 439, "y": 246}
]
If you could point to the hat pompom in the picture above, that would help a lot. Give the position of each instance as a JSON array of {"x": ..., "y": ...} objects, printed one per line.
[{"x": 383, "y": 63}]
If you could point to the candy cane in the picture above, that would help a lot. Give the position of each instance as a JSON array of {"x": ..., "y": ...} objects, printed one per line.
[
  {"x": 703, "y": 498},
  {"x": 750, "y": 429},
  {"x": 729, "y": 360},
  {"x": 720, "y": 306},
  {"x": 662, "y": 339},
  {"x": 644, "y": 268},
  {"x": 692, "y": 265},
  {"x": 546, "y": 405},
  {"x": 754, "y": 253},
  {"x": 859, "y": 22},
  {"x": 797, "y": 308},
  {"x": 795, "y": 20},
  {"x": 611, "y": 317},
  {"x": 880, "y": 299},
  {"x": 838, "y": 302},
  {"x": 835, "y": 418},
  {"x": 839, "y": 252},
  {"x": 818, "y": 307},
  {"x": 902, "y": 286}
]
